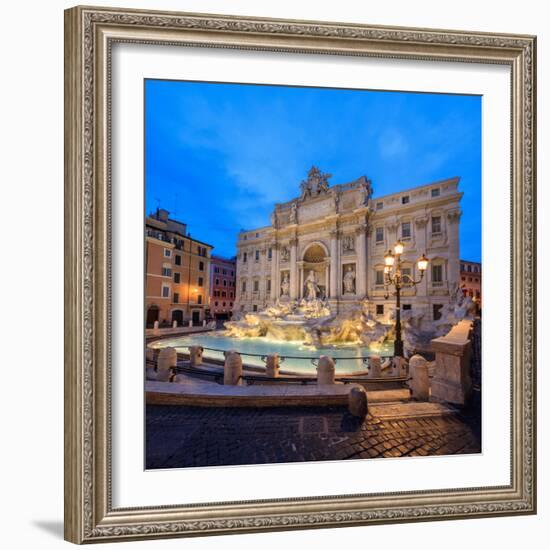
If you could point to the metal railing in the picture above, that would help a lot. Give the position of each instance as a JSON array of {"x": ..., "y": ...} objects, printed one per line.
[{"x": 313, "y": 360}]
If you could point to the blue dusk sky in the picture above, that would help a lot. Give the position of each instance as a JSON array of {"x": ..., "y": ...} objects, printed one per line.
[{"x": 218, "y": 156}]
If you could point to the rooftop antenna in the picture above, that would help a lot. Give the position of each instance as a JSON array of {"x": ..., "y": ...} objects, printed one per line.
[{"x": 158, "y": 206}]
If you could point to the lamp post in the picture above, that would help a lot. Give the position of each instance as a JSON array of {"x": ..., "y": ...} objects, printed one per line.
[{"x": 394, "y": 276}]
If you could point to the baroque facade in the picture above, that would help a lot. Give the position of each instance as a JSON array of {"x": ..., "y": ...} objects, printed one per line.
[{"x": 333, "y": 239}]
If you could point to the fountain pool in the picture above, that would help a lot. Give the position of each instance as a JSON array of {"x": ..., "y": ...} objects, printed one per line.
[{"x": 297, "y": 355}]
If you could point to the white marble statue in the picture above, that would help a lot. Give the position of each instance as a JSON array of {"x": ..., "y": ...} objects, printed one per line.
[
  {"x": 312, "y": 288},
  {"x": 349, "y": 281},
  {"x": 285, "y": 285}
]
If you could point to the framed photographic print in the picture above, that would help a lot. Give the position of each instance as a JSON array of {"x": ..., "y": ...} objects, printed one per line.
[{"x": 300, "y": 274}]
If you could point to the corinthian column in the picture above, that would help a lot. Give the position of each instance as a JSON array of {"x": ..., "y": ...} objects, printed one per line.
[
  {"x": 293, "y": 269},
  {"x": 453, "y": 223},
  {"x": 361, "y": 261},
  {"x": 334, "y": 261},
  {"x": 274, "y": 271}
]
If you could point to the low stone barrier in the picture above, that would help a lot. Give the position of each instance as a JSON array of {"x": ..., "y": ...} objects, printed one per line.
[
  {"x": 195, "y": 355},
  {"x": 166, "y": 362},
  {"x": 325, "y": 370},
  {"x": 452, "y": 381},
  {"x": 357, "y": 402},
  {"x": 419, "y": 382},
  {"x": 272, "y": 365},
  {"x": 232, "y": 369},
  {"x": 375, "y": 366}
]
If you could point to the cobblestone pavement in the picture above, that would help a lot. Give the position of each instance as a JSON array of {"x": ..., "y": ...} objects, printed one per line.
[{"x": 191, "y": 436}]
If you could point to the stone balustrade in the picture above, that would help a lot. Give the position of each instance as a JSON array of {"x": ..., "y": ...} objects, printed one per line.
[{"x": 452, "y": 381}]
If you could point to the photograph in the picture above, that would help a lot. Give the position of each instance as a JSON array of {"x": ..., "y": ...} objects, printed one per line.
[{"x": 312, "y": 274}]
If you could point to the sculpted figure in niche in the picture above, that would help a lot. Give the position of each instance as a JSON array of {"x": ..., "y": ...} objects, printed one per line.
[
  {"x": 285, "y": 285},
  {"x": 285, "y": 254},
  {"x": 348, "y": 243},
  {"x": 312, "y": 288},
  {"x": 349, "y": 280},
  {"x": 293, "y": 213}
]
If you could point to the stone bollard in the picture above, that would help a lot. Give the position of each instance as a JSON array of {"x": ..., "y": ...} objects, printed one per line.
[
  {"x": 190, "y": 323},
  {"x": 420, "y": 381},
  {"x": 174, "y": 324},
  {"x": 272, "y": 365},
  {"x": 401, "y": 366},
  {"x": 375, "y": 366},
  {"x": 357, "y": 402},
  {"x": 195, "y": 355},
  {"x": 156, "y": 328},
  {"x": 204, "y": 322},
  {"x": 232, "y": 369},
  {"x": 167, "y": 359},
  {"x": 325, "y": 370}
]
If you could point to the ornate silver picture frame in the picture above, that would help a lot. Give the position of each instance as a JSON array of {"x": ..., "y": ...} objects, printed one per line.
[{"x": 90, "y": 34}]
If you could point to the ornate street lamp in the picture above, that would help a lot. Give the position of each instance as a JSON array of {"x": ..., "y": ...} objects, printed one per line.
[{"x": 394, "y": 276}]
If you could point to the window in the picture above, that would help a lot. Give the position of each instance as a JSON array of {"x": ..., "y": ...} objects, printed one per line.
[
  {"x": 469, "y": 268},
  {"x": 231, "y": 294},
  {"x": 462, "y": 268},
  {"x": 216, "y": 270},
  {"x": 257, "y": 235},
  {"x": 245, "y": 237},
  {"x": 165, "y": 291},
  {"x": 225, "y": 282},
  {"x": 407, "y": 307},
  {"x": 435, "y": 192},
  {"x": 437, "y": 273},
  {"x": 216, "y": 304},
  {"x": 224, "y": 294},
  {"x": 245, "y": 257},
  {"x": 256, "y": 286},
  {"x": 475, "y": 268},
  {"x": 199, "y": 299},
  {"x": 257, "y": 255},
  {"x": 406, "y": 272},
  {"x": 463, "y": 278},
  {"x": 379, "y": 234},
  {"x": 243, "y": 286},
  {"x": 379, "y": 277},
  {"x": 379, "y": 309},
  {"x": 177, "y": 278},
  {"x": 201, "y": 266},
  {"x": 200, "y": 281},
  {"x": 230, "y": 304},
  {"x": 405, "y": 199},
  {"x": 177, "y": 259},
  {"x": 436, "y": 224},
  {"x": 176, "y": 298},
  {"x": 166, "y": 271},
  {"x": 268, "y": 285},
  {"x": 254, "y": 307},
  {"x": 217, "y": 281},
  {"x": 379, "y": 205},
  {"x": 232, "y": 274},
  {"x": 406, "y": 230},
  {"x": 167, "y": 253},
  {"x": 436, "y": 308}
]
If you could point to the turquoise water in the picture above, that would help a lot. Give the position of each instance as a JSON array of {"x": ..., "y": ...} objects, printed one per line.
[{"x": 297, "y": 355}]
